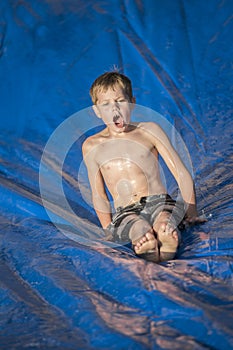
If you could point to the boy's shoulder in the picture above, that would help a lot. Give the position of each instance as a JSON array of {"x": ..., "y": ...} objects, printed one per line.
[
  {"x": 149, "y": 126},
  {"x": 92, "y": 141}
]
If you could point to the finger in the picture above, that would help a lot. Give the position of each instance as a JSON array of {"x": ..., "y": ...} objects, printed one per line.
[{"x": 195, "y": 220}]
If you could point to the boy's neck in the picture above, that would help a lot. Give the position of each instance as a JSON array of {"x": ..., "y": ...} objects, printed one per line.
[{"x": 115, "y": 134}]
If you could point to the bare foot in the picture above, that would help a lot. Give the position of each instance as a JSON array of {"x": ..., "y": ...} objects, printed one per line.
[
  {"x": 145, "y": 244},
  {"x": 169, "y": 239}
]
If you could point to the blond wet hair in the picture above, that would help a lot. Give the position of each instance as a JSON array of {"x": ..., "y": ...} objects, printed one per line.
[{"x": 109, "y": 80}]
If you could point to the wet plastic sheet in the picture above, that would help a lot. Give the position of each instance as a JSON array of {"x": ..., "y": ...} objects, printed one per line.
[{"x": 58, "y": 290}]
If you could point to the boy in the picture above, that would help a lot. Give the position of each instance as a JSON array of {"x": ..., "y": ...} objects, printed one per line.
[{"x": 124, "y": 158}]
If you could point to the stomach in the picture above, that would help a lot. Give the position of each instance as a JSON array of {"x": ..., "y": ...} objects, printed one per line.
[
  {"x": 128, "y": 181},
  {"x": 126, "y": 191}
]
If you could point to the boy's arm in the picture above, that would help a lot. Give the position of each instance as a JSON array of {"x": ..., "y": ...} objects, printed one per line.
[
  {"x": 100, "y": 200},
  {"x": 178, "y": 169},
  {"x": 99, "y": 197}
]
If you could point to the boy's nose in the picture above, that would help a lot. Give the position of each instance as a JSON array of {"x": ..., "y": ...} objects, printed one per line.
[{"x": 115, "y": 105}]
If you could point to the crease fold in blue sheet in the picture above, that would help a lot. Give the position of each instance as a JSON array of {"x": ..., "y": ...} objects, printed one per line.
[{"x": 57, "y": 290}]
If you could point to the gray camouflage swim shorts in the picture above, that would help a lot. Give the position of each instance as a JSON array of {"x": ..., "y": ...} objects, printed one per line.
[{"x": 148, "y": 208}]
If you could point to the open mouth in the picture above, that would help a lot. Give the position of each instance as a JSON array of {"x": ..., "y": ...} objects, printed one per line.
[{"x": 118, "y": 121}]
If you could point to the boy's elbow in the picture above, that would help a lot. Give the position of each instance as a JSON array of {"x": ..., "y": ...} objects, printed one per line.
[
  {"x": 186, "y": 179},
  {"x": 100, "y": 204}
]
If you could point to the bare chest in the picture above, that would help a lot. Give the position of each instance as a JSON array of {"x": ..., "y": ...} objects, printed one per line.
[{"x": 125, "y": 155}]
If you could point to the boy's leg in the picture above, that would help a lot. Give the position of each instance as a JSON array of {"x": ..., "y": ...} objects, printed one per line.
[
  {"x": 135, "y": 229},
  {"x": 168, "y": 235},
  {"x": 144, "y": 240}
]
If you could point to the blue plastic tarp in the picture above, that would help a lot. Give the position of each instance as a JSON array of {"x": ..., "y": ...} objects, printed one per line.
[{"x": 61, "y": 287}]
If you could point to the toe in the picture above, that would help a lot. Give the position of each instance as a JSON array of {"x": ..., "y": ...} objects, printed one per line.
[
  {"x": 163, "y": 227},
  {"x": 150, "y": 236},
  {"x": 142, "y": 240},
  {"x": 171, "y": 228},
  {"x": 175, "y": 235}
]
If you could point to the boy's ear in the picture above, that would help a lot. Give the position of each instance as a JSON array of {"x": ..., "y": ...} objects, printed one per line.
[
  {"x": 96, "y": 110},
  {"x": 133, "y": 102}
]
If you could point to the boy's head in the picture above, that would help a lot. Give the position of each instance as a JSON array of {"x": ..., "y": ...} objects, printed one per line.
[{"x": 110, "y": 80}]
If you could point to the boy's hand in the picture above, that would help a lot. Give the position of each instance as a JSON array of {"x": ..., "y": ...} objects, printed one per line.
[
  {"x": 192, "y": 217},
  {"x": 195, "y": 220}
]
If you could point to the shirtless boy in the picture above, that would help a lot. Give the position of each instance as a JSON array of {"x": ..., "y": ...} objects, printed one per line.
[{"x": 124, "y": 158}]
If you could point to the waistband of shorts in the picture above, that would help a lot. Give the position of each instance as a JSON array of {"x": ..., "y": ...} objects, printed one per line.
[
  {"x": 144, "y": 200},
  {"x": 154, "y": 197}
]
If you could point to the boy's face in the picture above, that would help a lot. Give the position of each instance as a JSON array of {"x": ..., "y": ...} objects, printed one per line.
[{"x": 114, "y": 107}]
